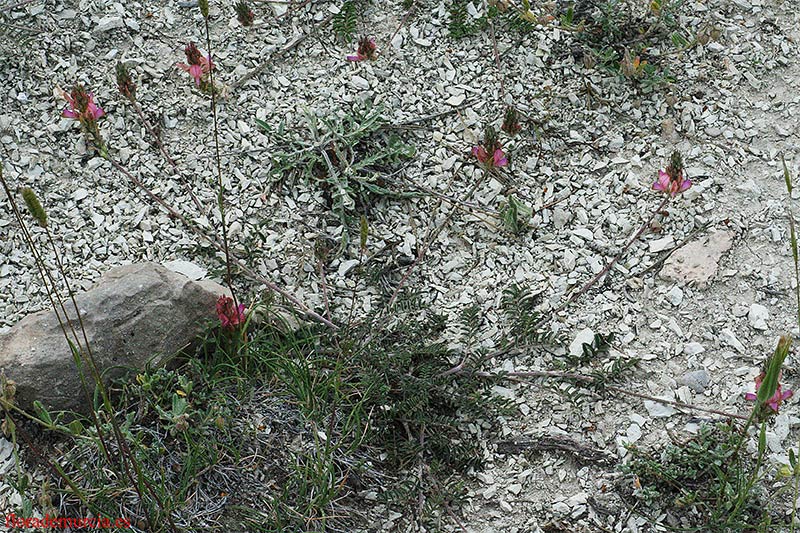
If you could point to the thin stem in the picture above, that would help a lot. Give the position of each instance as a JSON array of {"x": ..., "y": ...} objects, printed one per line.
[
  {"x": 166, "y": 155},
  {"x": 218, "y": 159},
  {"x": 497, "y": 58},
  {"x": 587, "y": 379},
  {"x": 266, "y": 63},
  {"x": 577, "y": 294}
]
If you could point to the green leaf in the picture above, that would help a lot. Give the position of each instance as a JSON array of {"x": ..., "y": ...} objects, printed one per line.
[
  {"x": 42, "y": 412},
  {"x": 786, "y": 176},
  {"x": 76, "y": 428},
  {"x": 770, "y": 383},
  {"x": 762, "y": 439},
  {"x": 792, "y": 459}
]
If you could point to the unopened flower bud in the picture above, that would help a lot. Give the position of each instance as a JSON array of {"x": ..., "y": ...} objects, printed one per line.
[{"x": 34, "y": 206}]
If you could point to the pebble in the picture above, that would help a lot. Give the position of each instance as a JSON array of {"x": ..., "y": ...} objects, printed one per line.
[
  {"x": 729, "y": 338},
  {"x": 675, "y": 296},
  {"x": 585, "y": 336},
  {"x": 658, "y": 409},
  {"x": 757, "y": 315},
  {"x": 191, "y": 270},
  {"x": 359, "y": 83},
  {"x": 109, "y": 23},
  {"x": 456, "y": 100},
  {"x": 659, "y": 245},
  {"x": 693, "y": 348},
  {"x": 697, "y": 380}
]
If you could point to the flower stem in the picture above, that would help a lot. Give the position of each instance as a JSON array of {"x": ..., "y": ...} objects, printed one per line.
[
  {"x": 166, "y": 155},
  {"x": 218, "y": 159},
  {"x": 577, "y": 294}
]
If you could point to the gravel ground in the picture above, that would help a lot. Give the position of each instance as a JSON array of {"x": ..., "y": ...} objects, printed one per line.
[{"x": 732, "y": 112}]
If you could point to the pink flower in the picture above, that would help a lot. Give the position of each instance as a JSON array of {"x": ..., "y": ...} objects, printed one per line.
[
  {"x": 197, "y": 64},
  {"x": 498, "y": 158},
  {"x": 229, "y": 316},
  {"x": 668, "y": 185},
  {"x": 366, "y": 50},
  {"x": 81, "y": 105},
  {"x": 775, "y": 402}
]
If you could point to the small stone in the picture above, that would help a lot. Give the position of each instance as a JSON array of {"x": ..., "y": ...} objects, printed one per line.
[
  {"x": 397, "y": 41},
  {"x": 109, "y": 23},
  {"x": 697, "y": 380},
  {"x": 659, "y": 245},
  {"x": 561, "y": 508},
  {"x": 757, "y": 315},
  {"x": 658, "y": 409},
  {"x": 729, "y": 338},
  {"x": 675, "y": 296},
  {"x": 634, "y": 433},
  {"x": 583, "y": 233},
  {"x": 187, "y": 268},
  {"x": 616, "y": 143},
  {"x": 504, "y": 392},
  {"x": 740, "y": 310},
  {"x": 456, "y": 99},
  {"x": 693, "y": 348},
  {"x": 359, "y": 83},
  {"x": 585, "y": 336},
  {"x": 515, "y": 489},
  {"x": 80, "y": 194},
  {"x": 346, "y": 266}
]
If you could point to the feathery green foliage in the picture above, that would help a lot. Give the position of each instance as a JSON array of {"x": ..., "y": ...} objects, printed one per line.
[{"x": 346, "y": 20}]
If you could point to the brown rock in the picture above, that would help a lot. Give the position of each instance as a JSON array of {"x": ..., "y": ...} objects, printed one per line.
[
  {"x": 134, "y": 314},
  {"x": 697, "y": 262}
]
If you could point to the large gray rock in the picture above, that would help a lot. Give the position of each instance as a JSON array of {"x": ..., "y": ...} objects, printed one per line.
[{"x": 134, "y": 314}]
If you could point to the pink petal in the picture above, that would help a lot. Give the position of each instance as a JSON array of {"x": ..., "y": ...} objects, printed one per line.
[
  {"x": 182, "y": 66},
  {"x": 94, "y": 110},
  {"x": 787, "y": 394},
  {"x": 356, "y": 57},
  {"x": 500, "y": 158},
  {"x": 480, "y": 153},
  {"x": 750, "y": 396},
  {"x": 196, "y": 71},
  {"x": 69, "y": 113},
  {"x": 685, "y": 184}
]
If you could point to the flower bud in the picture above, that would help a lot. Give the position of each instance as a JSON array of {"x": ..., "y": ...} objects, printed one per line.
[
  {"x": 124, "y": 82},
  {"x": 34, "y": 206}
]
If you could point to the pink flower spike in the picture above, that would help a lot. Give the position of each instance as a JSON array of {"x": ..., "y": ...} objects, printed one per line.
[
  {"x": 777, "y": 399},
  {"x": 499, "y": 158},
  {"x": 93, "y": 109},
  {"x": 230, "y": 317}
]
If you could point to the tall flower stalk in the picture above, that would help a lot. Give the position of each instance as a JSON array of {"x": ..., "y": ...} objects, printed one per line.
[{"x": 203, "y": 4}]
